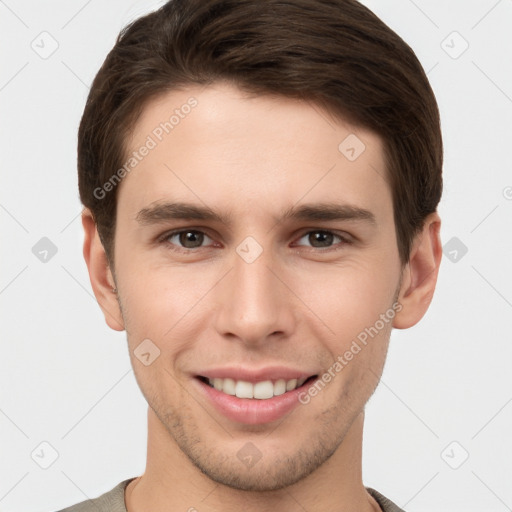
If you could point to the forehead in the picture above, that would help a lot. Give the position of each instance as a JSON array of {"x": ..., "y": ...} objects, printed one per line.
[{"x": 219, "y": 145}]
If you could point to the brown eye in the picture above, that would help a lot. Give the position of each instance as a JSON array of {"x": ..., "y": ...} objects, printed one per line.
[
  {"x": 321, "y": 239},
  {"x": 188, "y": 239}
]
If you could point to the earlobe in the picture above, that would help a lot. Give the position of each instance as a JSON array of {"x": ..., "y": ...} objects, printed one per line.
[
  {"x": 420, "y": 274},
  {"x": 100, "y": 274}
]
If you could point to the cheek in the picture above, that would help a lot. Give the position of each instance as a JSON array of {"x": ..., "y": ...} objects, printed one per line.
[
  {"x": 160, "y": 302},
  {"x": 351, "y": 297}
]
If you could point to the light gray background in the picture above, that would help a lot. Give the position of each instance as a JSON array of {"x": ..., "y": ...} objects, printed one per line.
[{"x": 66, "y": 379}]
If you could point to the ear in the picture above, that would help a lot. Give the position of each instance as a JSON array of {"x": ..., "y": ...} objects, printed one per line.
[
  {"x": 420, "y": 274},
  {"x": 101, "y": 277}
]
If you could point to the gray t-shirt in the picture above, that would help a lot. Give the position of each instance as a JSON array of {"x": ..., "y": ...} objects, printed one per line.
[{"x": 113, "y": 501}]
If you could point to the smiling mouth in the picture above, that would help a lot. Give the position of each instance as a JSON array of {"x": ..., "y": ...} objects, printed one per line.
[{"x": 262, "y": 390}]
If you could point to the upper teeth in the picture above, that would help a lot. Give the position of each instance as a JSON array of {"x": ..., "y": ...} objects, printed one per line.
[{"x": 259, "y": 390}]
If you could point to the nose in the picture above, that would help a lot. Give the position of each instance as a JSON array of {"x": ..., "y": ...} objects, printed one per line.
[{"x": 255, "y": 304}]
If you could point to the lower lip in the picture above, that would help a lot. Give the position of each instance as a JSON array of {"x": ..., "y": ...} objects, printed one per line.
[{"x": 252, "y": 411}]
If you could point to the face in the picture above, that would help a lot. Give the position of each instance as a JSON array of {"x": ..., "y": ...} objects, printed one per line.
[{"x": 252, "y": 254}]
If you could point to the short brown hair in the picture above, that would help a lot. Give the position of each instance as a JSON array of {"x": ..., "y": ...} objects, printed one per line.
[{"x": 335, "y": 53}]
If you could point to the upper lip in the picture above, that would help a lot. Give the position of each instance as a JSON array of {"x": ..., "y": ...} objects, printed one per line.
[{"x": 255, "y": 375}]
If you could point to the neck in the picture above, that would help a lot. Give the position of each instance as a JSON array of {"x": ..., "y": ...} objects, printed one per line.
[{"x": 172, "y": 482}]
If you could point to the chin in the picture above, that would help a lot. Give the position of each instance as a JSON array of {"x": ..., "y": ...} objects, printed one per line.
[{"x": 268, "y": 477}]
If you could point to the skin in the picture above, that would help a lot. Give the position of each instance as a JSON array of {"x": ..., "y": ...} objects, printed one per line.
[{"x": 298, "y": 304}]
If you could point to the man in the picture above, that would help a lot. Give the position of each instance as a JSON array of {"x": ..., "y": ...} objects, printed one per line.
[{"x": 260, "y": 182}]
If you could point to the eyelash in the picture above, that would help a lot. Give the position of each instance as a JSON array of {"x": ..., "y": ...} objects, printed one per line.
[{"x": 164, "y": 239}]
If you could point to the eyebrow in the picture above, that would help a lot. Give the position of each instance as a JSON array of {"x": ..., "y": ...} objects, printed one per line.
[
  {"x": 184, "y": 211},
  {"x": 329, "y": 211},
  {"x": 163, "y": 212}
]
